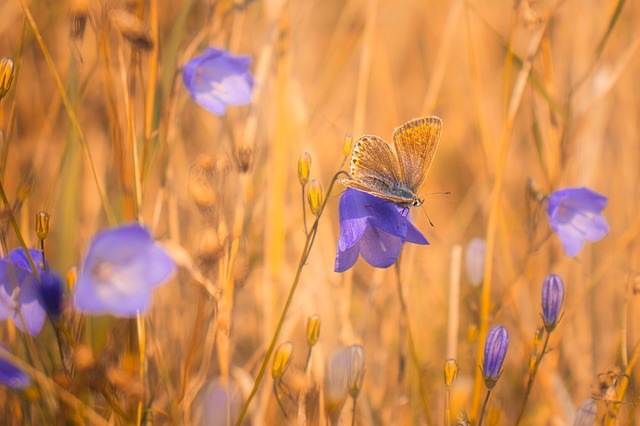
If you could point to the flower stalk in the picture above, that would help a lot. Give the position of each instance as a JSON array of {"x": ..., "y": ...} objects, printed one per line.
[{"x": 311, "y": 236}]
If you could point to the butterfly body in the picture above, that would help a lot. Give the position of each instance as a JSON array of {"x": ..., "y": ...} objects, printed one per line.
[{"x": 396, "y": 172}]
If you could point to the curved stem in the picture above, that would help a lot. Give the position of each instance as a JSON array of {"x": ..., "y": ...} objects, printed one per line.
[
  {"x": 303, "y": 260},
  {"x": 412, "y": 347}
]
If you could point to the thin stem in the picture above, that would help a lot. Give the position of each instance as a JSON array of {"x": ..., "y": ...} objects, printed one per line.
[
  {"x": 306, "y": 364},
  {"x": 303, "y": 260},
  {"x": 483, "y": 407},
  {"x": 304, "y": 212},
  {"x": 533, "y": 376},
  {"x": 353, "y": 413},
  {"x": 16, "y": 228},
  {"x": 412, "y": 347},
  {"x": 447, "y": 408},
  {"x": 73, "y": 118}
]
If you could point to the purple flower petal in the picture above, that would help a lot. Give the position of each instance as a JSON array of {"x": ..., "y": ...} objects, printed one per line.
[
  {"x": 374, "y": 228},
  {"x": 31, "y": 314},
  {"x": 13, "y": 377},
  {"x": 121, "y": 268},
  {"x": 380, "y": 249},
  {"x": 19, "y": 295},
  {"x": 574, "y": 214},
  {"x": 217, "y": 79}
]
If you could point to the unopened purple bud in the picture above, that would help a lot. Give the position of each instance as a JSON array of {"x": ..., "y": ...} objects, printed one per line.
[
  {"x": 495, "y": 350},
  {"x": 51, "y": 292},
  {"x": 552, "y": 299}
]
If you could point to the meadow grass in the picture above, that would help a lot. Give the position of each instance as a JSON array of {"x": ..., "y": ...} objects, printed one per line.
[{"x": 97, "y": 129}]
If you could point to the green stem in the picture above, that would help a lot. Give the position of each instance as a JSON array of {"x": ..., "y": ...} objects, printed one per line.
[
  {"x": 303, "y": 260},
  {"x": 412, "y": 347}
]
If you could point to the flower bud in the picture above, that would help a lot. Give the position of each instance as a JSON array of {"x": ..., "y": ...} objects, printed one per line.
[
  {"x": 348, "y": 144},
  {"x": 450, "y": 372},
  {"x": 552, "y": 299},
  {"x": 355, "y": 373},
  {"x": 314, "y": 195},
  {"x": 304, "y": 168},
  {"x": 532, "y": 363},
  {"x": 335, "y": 384},
  {"x": 42, "y": 225},
  {"x": 474, "y": 260},
  {"x": 313, "y": 329},
  {"x": 495, "y": 350},
  {"x": 72, "y": 277},
  {"x": 6, "y": 75},
  {"x": 281, "y": 360}
]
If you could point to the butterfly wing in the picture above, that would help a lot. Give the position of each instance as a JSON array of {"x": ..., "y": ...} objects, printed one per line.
[
  {"x": 416, "y": 143},
  {"x": 375, "y": 170}
]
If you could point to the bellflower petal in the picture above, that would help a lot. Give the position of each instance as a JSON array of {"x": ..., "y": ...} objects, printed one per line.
[
  {"x": 11, "y": 376},
  {"x": 217, "y": 79},
  {"x": 374, "y": 228},
  {"x": 575, "y": 215},
  {"x": 19, "y": 294},
  {"x": 121, "y": 268}
]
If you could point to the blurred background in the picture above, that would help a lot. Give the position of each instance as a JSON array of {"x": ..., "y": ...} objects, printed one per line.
[{"x": 535, "y": 95}]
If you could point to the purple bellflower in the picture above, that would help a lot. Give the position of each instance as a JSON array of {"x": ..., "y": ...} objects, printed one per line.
[
  {"x": 121, "y": 268},
  {"x": 19, "y": 293},
  {"x": 217, "y": 79},
  {"x": 552, "y": 299},
  {"x": 575, "y": 215},
  {"x": 495, "y": 350},
  {"x": 51, "y": 294},
  {"x": 11, "y": 376},
  {"x": 374, "y": 228}
]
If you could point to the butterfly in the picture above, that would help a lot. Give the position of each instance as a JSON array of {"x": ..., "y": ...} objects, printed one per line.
[{"x": 396, "y": 173}]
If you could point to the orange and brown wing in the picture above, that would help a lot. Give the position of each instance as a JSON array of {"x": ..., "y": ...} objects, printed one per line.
[
  {"x": 375, "y": 169},
  {"x": 416, "y": 143}
]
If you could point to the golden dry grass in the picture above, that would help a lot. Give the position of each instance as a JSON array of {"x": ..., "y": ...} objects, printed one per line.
[{"x": 324, "y": 69}]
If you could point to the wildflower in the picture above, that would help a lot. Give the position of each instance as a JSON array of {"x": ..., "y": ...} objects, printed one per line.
[
  {"x": 451, "y": 369},
  {"x": 281, "y": 361},
  {"x": 552, "y": 299},
  {"x": 19, "y": 294},
  {"x": 495, "y": 350},
  {"x": 220, "y": 404},
  {"x": 335, "y": 384},
  {"x": 304, "y": 168},
  {"x": 51, "y": 292},
  {"x": 373, "y": 228},
  {"x": 121, "y": 268},
  {"x": 313, "y": 329},
  {"x": 586, "y": 413},
  {"x": 314, "y": 196},
  {"x": 574, "y": 214},
  {"x": 217, "y": 79},
  {"x": 474, "y": 260},
  {"x": 11, "y": 376},
  {"x": 355, "y": 373},
  {"x": 6, "y": 75}
]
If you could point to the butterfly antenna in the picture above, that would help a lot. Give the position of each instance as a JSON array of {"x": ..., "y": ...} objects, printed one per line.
[
  {"x": 427, "y": 215},
  {"x": 425, "y": 210}
]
